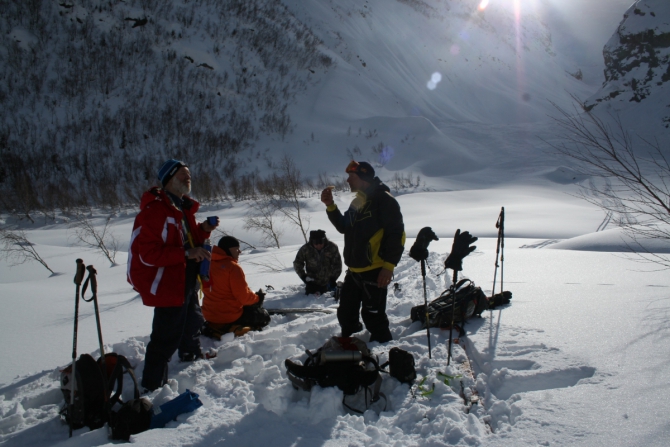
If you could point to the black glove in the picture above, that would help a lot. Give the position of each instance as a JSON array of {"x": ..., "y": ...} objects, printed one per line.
[
  {"x": 261, "y": 297},
  {"x": 311, "y": 287},
  {"x": 459, "y": 250},
  {"x": 500, "y": 299},
  {"x": 419, "y": 251}
]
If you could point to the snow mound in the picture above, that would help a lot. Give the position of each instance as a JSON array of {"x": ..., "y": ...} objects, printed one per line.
[{"x": 613, "y": 240}]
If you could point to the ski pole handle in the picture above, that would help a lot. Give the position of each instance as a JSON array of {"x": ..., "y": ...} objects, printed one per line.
[
  {"x": 81, "y": 269},
  {"x": 94, "y": 281},
  {"x": 90, "y": 279}
]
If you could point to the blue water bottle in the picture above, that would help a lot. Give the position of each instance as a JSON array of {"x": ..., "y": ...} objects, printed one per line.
[{"x": 204, "y": 265}]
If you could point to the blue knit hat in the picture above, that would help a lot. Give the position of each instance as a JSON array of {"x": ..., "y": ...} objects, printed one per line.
[{"x": 169, "y": 169}]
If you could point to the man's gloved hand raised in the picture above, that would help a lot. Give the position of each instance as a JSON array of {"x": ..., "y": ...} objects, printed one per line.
[
  {"x": 459, "y": 250},
  {"x": 419, "y": 251}
]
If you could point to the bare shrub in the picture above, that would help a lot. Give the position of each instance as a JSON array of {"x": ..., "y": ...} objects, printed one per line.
[
  {"x": 88, "y": 235},
  {"x": 635, "y": 183},
  {"x": 402, "y": 181},
  {"x": 290, "y": 189},
  {"x": 263, "y": 219},
  {"x": 17, "y": 249}
]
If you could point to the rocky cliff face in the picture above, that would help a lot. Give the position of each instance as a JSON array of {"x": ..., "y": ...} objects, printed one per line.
[{"x": 637, "y": 58}]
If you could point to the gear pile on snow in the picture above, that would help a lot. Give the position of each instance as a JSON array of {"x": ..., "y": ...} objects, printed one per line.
[
  {"x": 343, "y": 362},
  {"x": 466, "y": 301}
]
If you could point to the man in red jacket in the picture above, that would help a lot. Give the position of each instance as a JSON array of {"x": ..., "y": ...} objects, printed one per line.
[{"x": 163, "y": 262}]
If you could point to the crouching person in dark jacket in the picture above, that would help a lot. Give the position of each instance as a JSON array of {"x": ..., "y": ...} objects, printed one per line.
[
  {"x": 374, "y": 239},
  {"x": 318, "y": 264}
]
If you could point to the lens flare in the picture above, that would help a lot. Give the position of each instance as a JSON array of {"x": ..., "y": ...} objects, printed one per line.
[
  {"x": 435, "y": 79},
  {"x": 386, "y": 155},
  {"x": 455, "y": 49},
  {"x": 483, "y": 4}
]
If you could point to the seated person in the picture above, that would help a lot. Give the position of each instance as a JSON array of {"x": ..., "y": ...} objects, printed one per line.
[
  {"x": 229, "y": 304},
  {"x": 318, "y": 263}
]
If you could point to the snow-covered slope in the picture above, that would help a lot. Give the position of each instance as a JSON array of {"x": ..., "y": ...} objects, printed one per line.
[{"x": 431, "y": 87}]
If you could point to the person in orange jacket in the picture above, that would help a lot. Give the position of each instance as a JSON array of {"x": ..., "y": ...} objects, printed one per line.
[{"x": 229, "y": 304}]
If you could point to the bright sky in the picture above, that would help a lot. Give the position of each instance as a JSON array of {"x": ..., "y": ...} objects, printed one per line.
[
  {"x": 581, "y": 28},
  {"x": 591, "y": 19}
]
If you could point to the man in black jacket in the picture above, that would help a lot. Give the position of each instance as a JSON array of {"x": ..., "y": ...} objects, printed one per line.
[{"x": 374, "y": 238}]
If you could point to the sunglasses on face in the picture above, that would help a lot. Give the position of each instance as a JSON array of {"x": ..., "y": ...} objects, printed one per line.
[{"x": 352, "y": 168}]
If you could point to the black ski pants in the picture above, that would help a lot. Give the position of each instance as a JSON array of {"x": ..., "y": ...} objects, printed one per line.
[
  {"x": 360, "y": 289},
  {"x": 174, "y": 328}
]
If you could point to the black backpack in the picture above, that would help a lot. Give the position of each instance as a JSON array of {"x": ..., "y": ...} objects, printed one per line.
[
  {"x": 89, "y": 399},
  {"x": 342, "y": 362},
  {"x": 93, "y": 398},
  {"x": 401, "y": 365},
  {"x": 469, "y": 300}
]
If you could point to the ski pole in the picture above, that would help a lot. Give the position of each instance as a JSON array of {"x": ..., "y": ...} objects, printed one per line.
[
  {"x": 419, "y": 252},
  {"x": 94, "y": 291},
  {"x": 502, "y": 248},
  {"x": 452, "y": 291},
  {"x": 79, "y": 275},
  {"x": 500, "y": 225},
  {"x": 425, "y": 302}
]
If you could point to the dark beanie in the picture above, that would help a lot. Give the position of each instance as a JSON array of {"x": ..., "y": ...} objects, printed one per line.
[
  {"x": 365, "y": 171},
  {"x": 317, "y": 236},
  {"x": 169, "y": 169},
  {"x": 227, "y": 242}
]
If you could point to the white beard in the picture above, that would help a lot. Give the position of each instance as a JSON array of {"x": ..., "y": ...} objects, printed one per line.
[{"x": 181, "y": 187}]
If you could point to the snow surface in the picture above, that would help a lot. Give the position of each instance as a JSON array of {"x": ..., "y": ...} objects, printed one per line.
[{"x": 577, "y": 358}]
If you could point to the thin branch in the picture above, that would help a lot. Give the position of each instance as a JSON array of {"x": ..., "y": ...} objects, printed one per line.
[
  {"x": 88, "y": 235},
  {"x": 17, "y": 249},
  {"x": 634, "y": 188}
]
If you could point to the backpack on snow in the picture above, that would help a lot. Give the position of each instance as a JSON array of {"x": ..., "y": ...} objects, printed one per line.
[
  {"x": 89, "y": 394},
  {"x": 468, "y": 300},
  {"x": 401, "y": 365},
  {"x": 342, "y": 362},
  {"x": 94, "y": 403}
]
